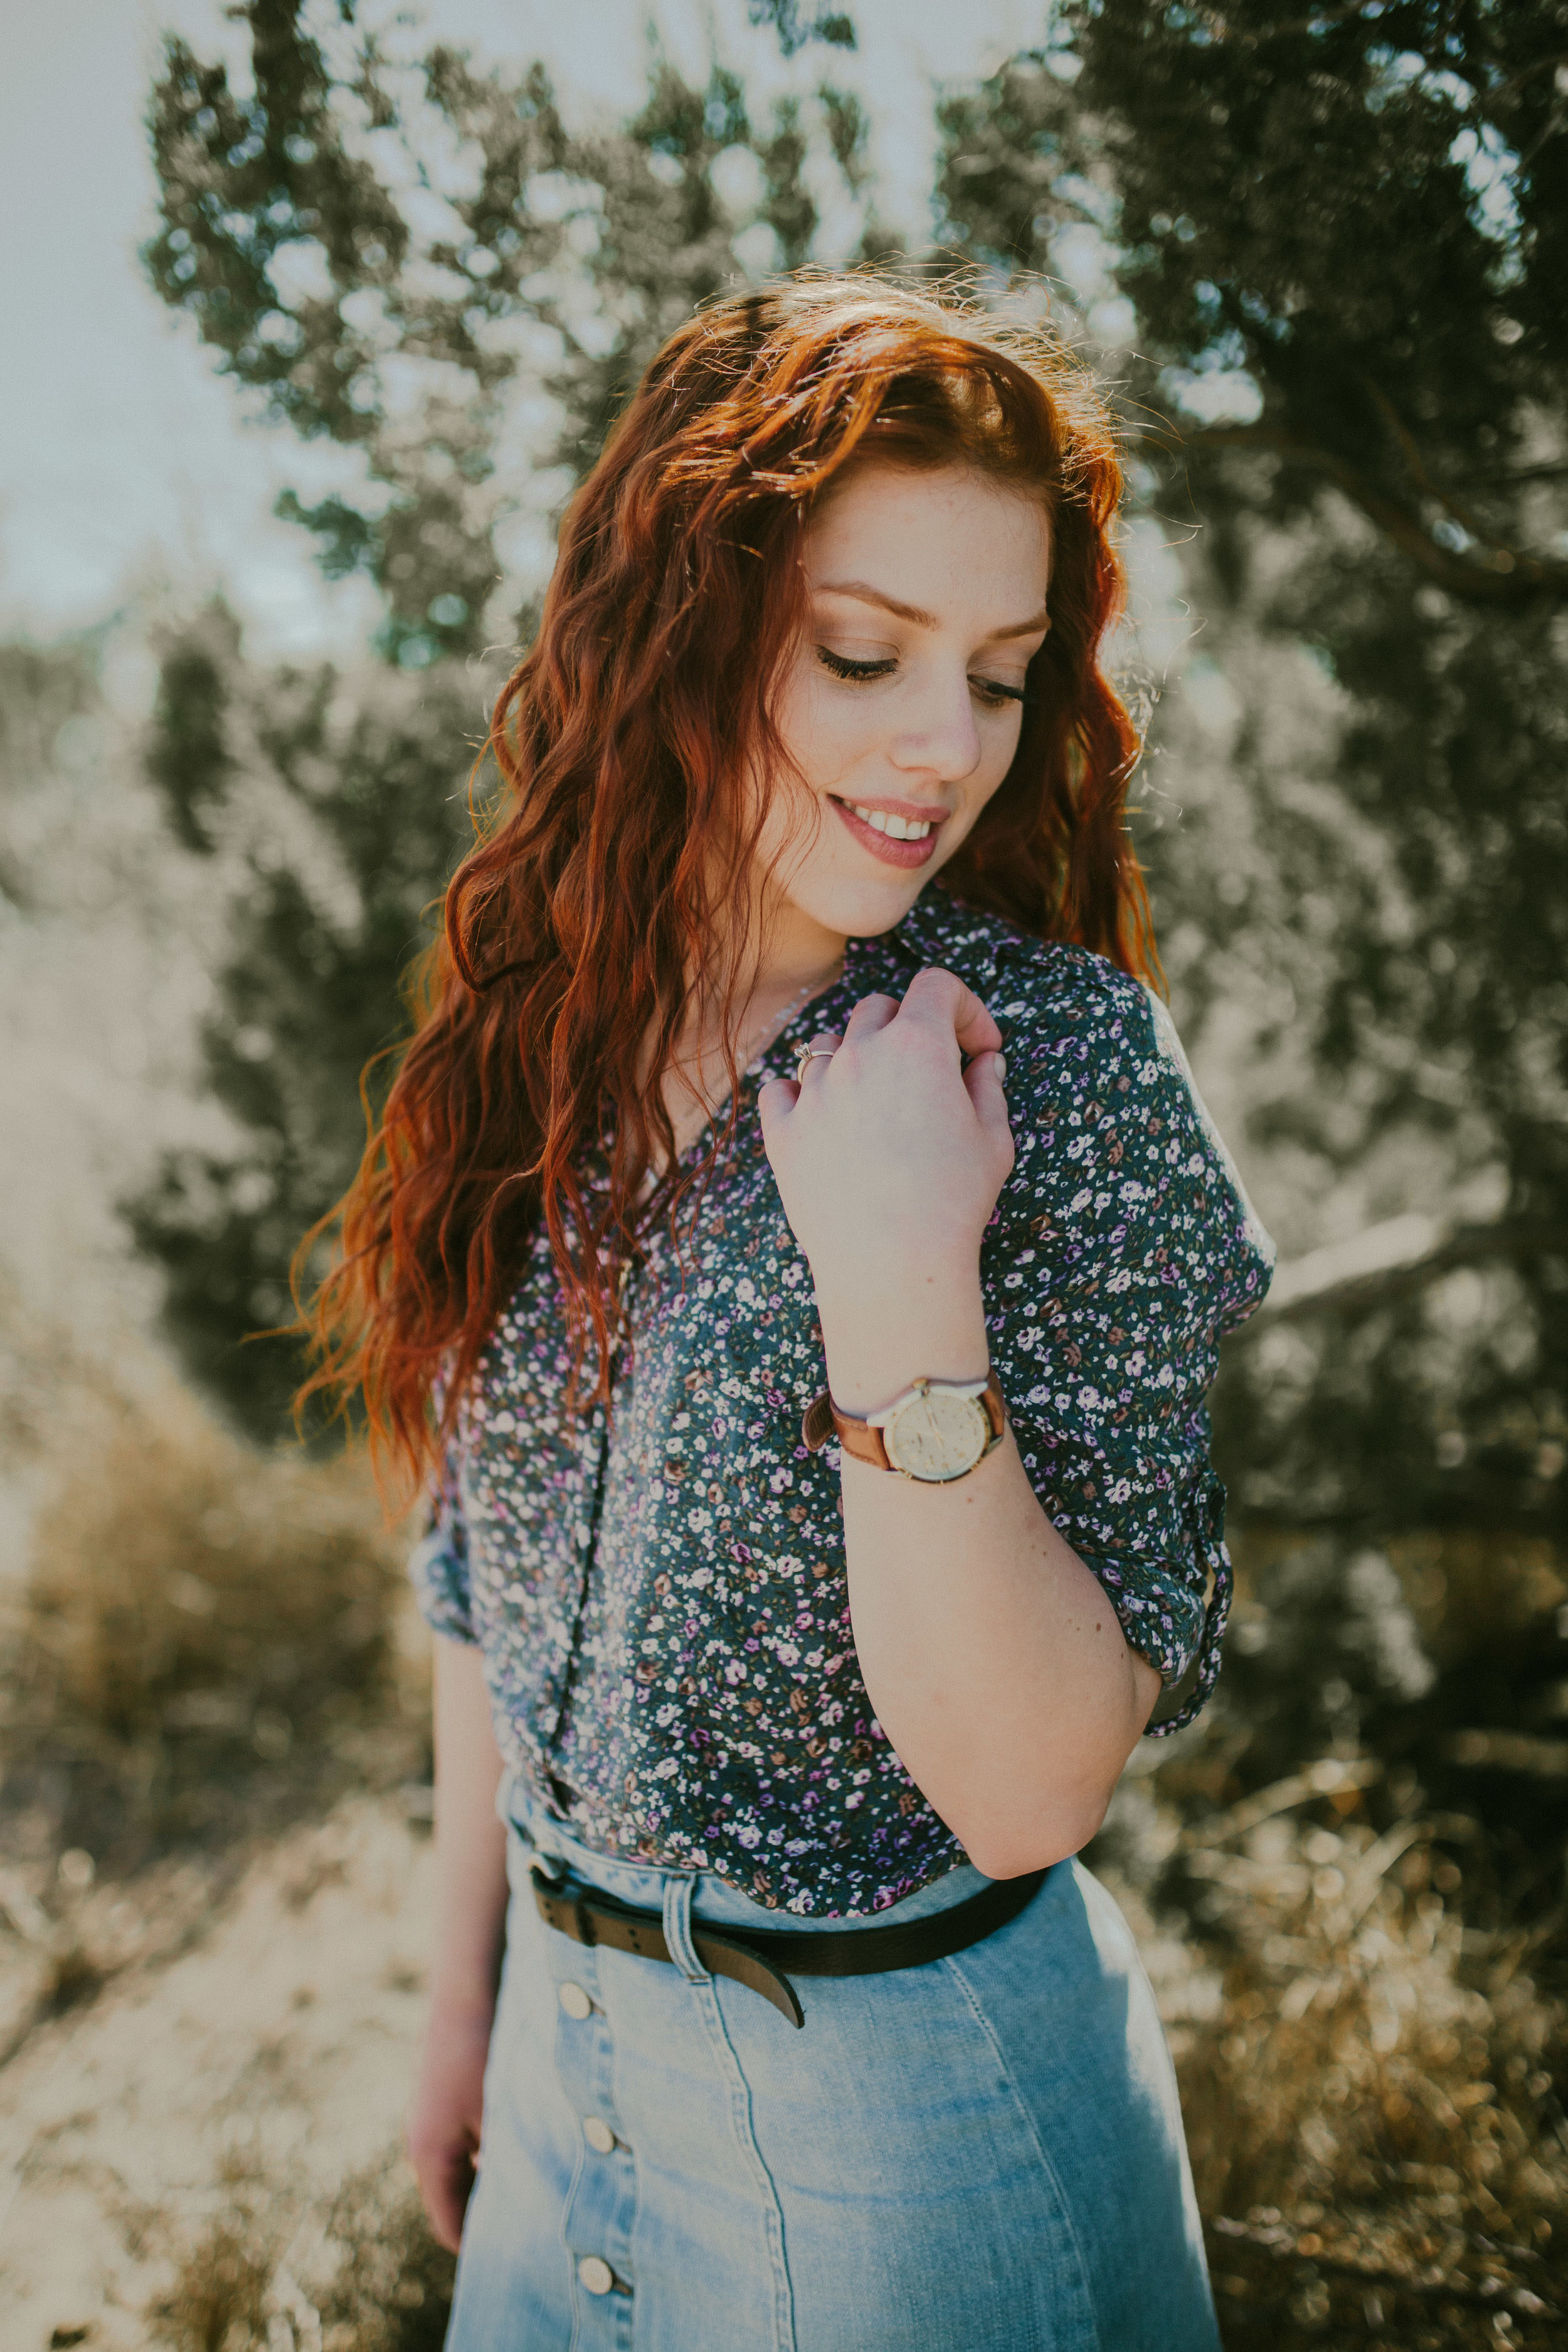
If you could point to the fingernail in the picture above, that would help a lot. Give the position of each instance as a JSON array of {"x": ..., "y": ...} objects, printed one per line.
[{"x": 1002, "y": 1067}]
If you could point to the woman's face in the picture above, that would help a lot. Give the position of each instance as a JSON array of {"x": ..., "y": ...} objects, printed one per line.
[{"x": 901, "y": 705}]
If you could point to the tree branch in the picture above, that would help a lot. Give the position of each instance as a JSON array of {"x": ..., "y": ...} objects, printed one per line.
[
  {"x": 1283, "y": 2243},
  {"x": 1506, "y": 576},
  {"x": 1415, "y": 466},
  {"x": 1549, "y": 469},
  {"x": 1395, "y": 1260}
]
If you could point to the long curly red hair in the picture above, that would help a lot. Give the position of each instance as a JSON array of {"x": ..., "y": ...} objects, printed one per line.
[{"x": 586, "y": 919}]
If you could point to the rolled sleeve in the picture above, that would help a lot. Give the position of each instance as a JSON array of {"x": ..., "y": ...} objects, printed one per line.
[
  {"x": 1123, "y": 1247},
  {"x": 1147, "y": 1520},
  {"x": 438, "y": 1565}
]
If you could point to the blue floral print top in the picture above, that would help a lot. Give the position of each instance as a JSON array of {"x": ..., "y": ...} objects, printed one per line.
[{"x": 662, "y": 1606}]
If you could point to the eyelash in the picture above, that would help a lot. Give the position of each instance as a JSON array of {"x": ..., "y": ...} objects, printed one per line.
[{"x": 991, "y": 689}]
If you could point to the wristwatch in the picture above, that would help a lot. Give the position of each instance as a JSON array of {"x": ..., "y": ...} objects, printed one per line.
[{"x": 937, "y": 1431}]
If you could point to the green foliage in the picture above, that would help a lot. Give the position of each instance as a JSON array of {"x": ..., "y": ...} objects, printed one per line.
[
  {"x": 423, "y": 264},
  {"x": 1376, "y": 453},
  {"x": 829, "y": 25},
  {"x": 350, "y": 808},
  {"x": 1342, "y": 233},
  {"x": 43, "y": 689},
  {"x": 1365, "y": 209},
  {"x": 410, "y": 276},
  {"x": 188, "y": 756}
]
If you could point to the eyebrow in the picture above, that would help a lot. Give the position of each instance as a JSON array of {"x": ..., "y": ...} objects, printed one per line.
[{"x": 864, "y": 594}]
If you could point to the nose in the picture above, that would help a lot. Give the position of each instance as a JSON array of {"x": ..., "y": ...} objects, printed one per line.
[{"x": 938, "y": 736}]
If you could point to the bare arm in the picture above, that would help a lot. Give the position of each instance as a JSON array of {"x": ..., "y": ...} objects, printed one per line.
[
  {"x": 470, "y": 1902},
  {"x": 995, "y": 1661}
]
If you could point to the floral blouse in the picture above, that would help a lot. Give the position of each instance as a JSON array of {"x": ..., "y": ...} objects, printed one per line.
[{"x": 662, "y": 1605}]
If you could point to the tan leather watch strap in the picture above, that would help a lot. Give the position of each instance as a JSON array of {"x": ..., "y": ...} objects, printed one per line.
[{"x": 822, "y": 1420}]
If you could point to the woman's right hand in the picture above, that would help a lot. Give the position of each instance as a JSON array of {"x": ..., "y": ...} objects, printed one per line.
[{"x": 445, "y": 2120}]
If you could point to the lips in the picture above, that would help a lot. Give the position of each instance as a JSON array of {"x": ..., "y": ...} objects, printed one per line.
[{"x": 885, "y": 847}]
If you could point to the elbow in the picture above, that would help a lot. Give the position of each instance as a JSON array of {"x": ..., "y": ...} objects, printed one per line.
[{"x": 1012, "y": 1845}]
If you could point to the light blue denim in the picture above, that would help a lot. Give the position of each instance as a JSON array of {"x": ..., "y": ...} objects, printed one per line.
[{"x": 981, "y": 2155}]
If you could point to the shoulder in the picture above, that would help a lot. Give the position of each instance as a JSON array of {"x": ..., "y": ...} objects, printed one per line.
[
  {"x": 1061, "y": 1002},
  {"x": 1114, "y": 1143}
]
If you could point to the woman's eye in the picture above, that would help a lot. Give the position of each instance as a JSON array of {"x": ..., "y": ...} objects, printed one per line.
[
  {"x": 842, "y": 666},
  {"x": 991, "y": 690}
]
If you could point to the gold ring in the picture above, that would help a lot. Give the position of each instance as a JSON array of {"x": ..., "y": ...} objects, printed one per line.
[{"x": 811, "y": 1054}]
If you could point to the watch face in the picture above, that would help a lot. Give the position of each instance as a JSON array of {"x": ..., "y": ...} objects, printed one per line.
[{"x": 937, "y": 1436}]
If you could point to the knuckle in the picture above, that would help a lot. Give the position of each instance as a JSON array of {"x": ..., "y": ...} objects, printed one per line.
[{"x": 935, "y": 980}]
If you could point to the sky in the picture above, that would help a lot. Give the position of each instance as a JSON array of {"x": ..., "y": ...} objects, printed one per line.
[{"x": 125, "y": 463}]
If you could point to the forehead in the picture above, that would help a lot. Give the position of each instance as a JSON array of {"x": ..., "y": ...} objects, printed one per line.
[{"x": 909, "y": 530}]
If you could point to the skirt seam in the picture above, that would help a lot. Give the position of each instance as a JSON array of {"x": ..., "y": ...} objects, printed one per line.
[
  {"x": 561, "y": 2230},
  {"x": 707, "y": 1992},
  {"x": 977, "y": 2008}
]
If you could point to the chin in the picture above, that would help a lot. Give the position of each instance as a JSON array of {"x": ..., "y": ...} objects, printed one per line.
[{"x": 863, "y": 910}]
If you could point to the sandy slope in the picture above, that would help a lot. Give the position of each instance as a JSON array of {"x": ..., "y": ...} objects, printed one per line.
[{"x": 272, "y": 2058}]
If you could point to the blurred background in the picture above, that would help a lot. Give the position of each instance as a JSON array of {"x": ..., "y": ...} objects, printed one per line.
[{"x": 316, "y": 312}]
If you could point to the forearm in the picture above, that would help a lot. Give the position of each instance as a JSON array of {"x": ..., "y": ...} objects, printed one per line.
[
  {"x": 992, "y": 1656},
  {"x": 995, "y": 1661},
  {"x": 470, "y": 1842}
]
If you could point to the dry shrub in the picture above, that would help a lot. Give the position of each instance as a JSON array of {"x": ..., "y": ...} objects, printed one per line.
[
  {"x": 209, "y": 1641},
  {"x": 218, "y": 2302},
  {"x": 1376, "y": 2138},
  {"x": 1467, "y": 1589},
  {"x": 183, "y": 1578},
  {"x": 393, "y": 2288},
  {"x": 376, "y": 2281}
]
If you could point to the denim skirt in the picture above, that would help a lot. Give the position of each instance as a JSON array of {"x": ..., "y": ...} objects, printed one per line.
[{"x": 983, "y": 2154}]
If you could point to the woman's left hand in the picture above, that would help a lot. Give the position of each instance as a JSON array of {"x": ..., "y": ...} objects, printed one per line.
[{"x": 889, "y": 1157}]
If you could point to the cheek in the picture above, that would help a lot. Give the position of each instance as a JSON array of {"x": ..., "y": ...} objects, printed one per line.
[
  {"x": 824, "y": 733},
  {"x": 792, "y": 814},
  {"x": 999, "y": 754}
]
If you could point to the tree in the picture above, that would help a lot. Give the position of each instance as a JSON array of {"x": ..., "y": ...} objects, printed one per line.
[
  {"x": 424, "y": 265},
  {"x": 1342, "y": 233},
  {"x": 342, "y": 806}
]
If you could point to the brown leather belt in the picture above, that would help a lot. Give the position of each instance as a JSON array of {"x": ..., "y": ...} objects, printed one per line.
[{"x": 574, "y": 1907}]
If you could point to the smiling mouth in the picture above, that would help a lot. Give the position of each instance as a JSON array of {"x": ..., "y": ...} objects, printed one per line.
[{"x": 894, "y": 840}]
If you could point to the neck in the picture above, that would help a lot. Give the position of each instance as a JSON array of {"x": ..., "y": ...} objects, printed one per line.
[
  {"x": 796, "y": 959},
  {"x": 796, "y": 955}
]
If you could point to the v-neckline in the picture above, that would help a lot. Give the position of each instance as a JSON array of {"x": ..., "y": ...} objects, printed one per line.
[
  {"x": 857, "y": 948},
  {"x": 719, "y": 1110}
]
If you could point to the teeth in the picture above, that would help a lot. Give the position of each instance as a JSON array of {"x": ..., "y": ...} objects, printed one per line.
[{"x": 897, "y": 828}]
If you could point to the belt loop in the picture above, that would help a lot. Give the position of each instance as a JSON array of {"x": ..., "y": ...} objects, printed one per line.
[{"x": 678, "y": 1928}]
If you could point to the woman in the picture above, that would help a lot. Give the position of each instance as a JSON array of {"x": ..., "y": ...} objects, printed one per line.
[{"x": 699, "y": 1209}]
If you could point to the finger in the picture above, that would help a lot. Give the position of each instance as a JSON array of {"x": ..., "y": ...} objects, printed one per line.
[
  {"x": 940, "y": 997},
  {"x": 824, "y": 1046},
  {"x": 872, "y": 1012},
  {"x": 446, "y": 2188},
  {"x": 775, "y": 1100},
  {"x": 984, "y": 1082}
]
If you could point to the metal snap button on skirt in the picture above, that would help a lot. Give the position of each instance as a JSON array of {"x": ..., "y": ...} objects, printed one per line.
[{"x": 985, "y": 2151}]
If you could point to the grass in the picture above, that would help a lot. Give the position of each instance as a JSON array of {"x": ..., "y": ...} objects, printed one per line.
[
  {"x": 1363, "y": 1952},
  {"x": 219, "y": 2301}
]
